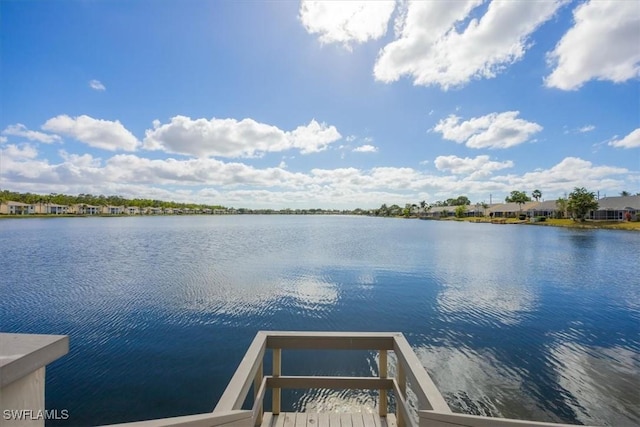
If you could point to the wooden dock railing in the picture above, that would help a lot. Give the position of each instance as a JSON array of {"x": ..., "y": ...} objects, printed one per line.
[
  {"x": 431, "y": 409},
  {"x": 408, "y": 370}
]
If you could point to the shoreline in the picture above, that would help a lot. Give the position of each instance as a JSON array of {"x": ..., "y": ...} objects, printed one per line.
[{"x": 563, "y": 223}]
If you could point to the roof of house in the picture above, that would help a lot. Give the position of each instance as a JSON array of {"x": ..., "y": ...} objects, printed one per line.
[
  {"x": 619, "y": 203},
  {"x": 547, "y": 205},
  {"x": 513, "y": 207}
]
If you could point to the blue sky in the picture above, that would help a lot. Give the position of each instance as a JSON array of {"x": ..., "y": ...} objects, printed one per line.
[{"x": 319, "y": 104}]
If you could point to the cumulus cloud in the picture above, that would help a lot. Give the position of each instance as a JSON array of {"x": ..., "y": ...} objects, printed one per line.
[
  {"x": 586, "y": 128},
  {"x": 232, "y": 138},
  {"x": 477, "y": 167},
  {"x": 437, "y": 46},
  {"x": 630, "y": 141},
  {"x": 495, "y": 130},
  {"x": 32, "y": 135},
  {"x": 22, "y": 152},
  {"x": 601, "y": 45},
  {"x": 366, "y": 148},
  {"x": 569, "y": 173},
  {"x": 103, "y": 134},
  {"x": 346, "y": 22},
  {"x": 313, "y": 137},
  {"x": 97, "y": 85},
  {"x": 204, "y": 180}
]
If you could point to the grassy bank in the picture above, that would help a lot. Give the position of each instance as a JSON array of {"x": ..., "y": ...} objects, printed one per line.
[{"x": 568, "y": 223}]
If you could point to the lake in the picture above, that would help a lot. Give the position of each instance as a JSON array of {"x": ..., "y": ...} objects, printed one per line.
[{"x": 527, "y": 322}]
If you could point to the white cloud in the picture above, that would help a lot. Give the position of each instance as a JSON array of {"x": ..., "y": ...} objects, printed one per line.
[
  {"x": 569, "y": 173},
  {"x": 586, "y": 128},
  {"x": 346, "y": 22},
  {"x": 478, "y": 167},
  {"x": 3, "y": 139},
  {"x": 602, "y": 45},
  {"x": 22, "y": 152},
  {"x": 366, "y": 148},
  {"x": 630, "y": 141},
  {"x": 104, "y": 134},
  {"x": 208, "y": 180},
  {"x": 80, "y": 160},
  {"x": 432, "y": 50},
  {"x": 313, "y": 137},
  {"x": 32, "y": 135},
  {"x": 97, "y": 85},
  {"x": 495, "y": 130},
  {"x": 232, "y": 138}
]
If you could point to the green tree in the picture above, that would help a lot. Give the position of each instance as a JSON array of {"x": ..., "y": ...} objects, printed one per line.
[
  {"x": 461, "y": 211},
  {"x": 519, "y": 197},
  {"x": 580, "y": 202},
  {"x": 625, "y": 193},
  {"x": 536, "y": 194},
  {"x": 462, "y": 201},
  {"x": 562, "y": 204}
]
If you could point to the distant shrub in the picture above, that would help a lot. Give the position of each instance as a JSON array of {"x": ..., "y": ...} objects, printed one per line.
[{"x": 541, "y": 219}]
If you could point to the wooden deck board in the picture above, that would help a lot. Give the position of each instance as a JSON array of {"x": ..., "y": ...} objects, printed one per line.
[
  {"x": 324, "y": 419},
  {"x": 345, "y": 420}
]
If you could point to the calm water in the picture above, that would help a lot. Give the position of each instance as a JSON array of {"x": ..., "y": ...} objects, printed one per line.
[{"x": 518, "y": 321}]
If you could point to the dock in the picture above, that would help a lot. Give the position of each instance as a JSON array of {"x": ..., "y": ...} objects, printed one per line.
[
  {"x": 427, "y": 409},
  {"x": 418, "y": 402}
]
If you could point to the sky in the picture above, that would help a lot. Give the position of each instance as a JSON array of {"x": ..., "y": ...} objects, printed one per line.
[{"x": 283, "y": 104}]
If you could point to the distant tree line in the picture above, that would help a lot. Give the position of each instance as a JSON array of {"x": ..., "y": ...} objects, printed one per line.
[
  {"x": 101, "y": 200},
  {"x": 577, "y": 205}
]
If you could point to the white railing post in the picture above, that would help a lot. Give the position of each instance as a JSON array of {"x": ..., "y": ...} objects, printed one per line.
[
  {"x": 382, "y": 369},
  {"x": 277, "y": 371},
  {"x": 402, "y": 388},
  {"x": 257, "y": 382}
]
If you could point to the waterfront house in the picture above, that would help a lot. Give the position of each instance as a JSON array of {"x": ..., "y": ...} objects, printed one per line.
[
  {"x": 510, "y": 210},
  {"x": 112, "y": 210},
  {"x": 132, "y": 210},
  {"x": 84, "y": 209},
  {"x": 17, "y": 208},
  {"x": 616, "y": 208},
  {"x": 54, "y": 209},
  {"x": 441, "y": 212},
  {"x": 547, "y": 209}
]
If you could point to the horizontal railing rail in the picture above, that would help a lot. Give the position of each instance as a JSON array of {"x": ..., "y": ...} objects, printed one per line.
[
  {"x": 408, "y": 367},
  {"x": 216, "y": 419},
  {"x": 439, "y": 419}
]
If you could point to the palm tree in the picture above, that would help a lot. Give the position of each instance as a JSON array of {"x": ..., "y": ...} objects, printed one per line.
[
  {"x": 625, "y": 194},
  {"x": 536, "y": 194},
  {"x": 562, "y": 205}
]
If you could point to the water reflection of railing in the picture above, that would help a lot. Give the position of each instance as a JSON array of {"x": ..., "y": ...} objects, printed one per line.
[{"x": 409, "y": 371}]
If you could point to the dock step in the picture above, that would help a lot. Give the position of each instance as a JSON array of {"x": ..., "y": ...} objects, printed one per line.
[{"x": 327, "y": 419}]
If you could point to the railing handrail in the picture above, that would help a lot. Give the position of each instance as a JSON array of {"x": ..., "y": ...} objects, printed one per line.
[
  {"x": 208, "y": 419},
  {"x": 250, "y": 370}
]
